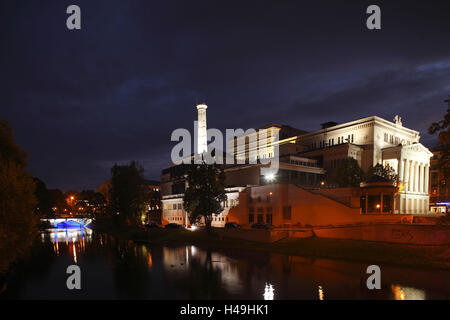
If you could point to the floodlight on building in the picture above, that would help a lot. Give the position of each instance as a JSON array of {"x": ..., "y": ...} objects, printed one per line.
[{"x": 270, "y": 177}]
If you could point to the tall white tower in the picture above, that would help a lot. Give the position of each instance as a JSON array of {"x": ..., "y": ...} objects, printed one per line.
[{"x": 202, "y": 142}]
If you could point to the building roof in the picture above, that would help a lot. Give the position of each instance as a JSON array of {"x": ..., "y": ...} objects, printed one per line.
[{"x": 362, "y": 121}]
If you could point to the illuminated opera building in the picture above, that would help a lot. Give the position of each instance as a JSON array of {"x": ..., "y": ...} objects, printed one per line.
[{"x": 297, "y": 193}]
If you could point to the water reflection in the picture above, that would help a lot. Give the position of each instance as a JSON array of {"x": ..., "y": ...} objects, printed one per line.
[
  {"x": 74, "y": 240},
  {"x": 321, "y": 296},
  {"x": 407, "y": 293},
  {"x": 114, "y": 269},
  {"x": 180, "y": 262},
  {"x": 268, "y": 292}
]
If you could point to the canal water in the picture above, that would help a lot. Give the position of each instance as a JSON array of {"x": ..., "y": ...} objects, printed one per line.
[{"x": 112, "y": 269}]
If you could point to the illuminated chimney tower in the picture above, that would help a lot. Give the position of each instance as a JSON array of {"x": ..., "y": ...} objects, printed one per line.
[{"x": 202, "y": 143}]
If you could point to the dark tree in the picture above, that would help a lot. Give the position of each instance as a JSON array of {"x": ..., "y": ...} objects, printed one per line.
[
  {"x": 128, "y": 193},
  {"x": 154, "y": 199},
  {"x": 152, "y": 203},
  {"x": 92, "y": 202},
  {"x": 385, "y": 172},
  {"x": 58, "y": 201},
  {"x": 348, "y": 173},
  {"x": 443, "y": 128},
  {"x": 205, "y": 193},
  {"x": 18, "y": 223},
  {"x": 44, "y": 205}
]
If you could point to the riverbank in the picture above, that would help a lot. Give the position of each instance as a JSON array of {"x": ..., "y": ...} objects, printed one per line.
[{"x": 417, "y": 256}]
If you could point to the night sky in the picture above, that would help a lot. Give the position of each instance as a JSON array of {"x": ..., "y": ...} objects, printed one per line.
[{"x": 80, "y": 101}]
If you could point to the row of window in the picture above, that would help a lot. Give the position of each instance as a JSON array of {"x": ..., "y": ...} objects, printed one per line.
[
  {"x": 331, "y": 142},
  {"x": 175, "y": 219},
  {"x": 179, "y": 206},
  {"x": 287, "y": 213},
  {"x": 251, "y": 210},
  {"x": 390, "y": 138},
  {"x": 303, "y": 163},
  {"x": 173, "y": 206},
  {"x": 233, "y": 203},
  {"x": 260, "y": 218}
]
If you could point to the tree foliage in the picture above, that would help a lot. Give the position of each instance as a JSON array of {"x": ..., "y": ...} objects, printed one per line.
[
  {"x": 18, "y": 223},
  {"x": 382, "y": 171},
  {"x": 128, "y": 193},
  {"x": 95, "y": 200},
  {"x": 348, "y": 173},
  {"x": 58, "y": 200},
  {"x": 205, "y": 194},
  {"x": 44, "y": 204},
  {"x": 443, "y": 128},
  {"x": 154, "y": 198}
]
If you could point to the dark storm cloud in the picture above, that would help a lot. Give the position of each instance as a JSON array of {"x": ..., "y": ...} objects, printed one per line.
[{"x": 80, "y": 101}]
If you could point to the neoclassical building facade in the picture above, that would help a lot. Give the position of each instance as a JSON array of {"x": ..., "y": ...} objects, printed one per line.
[
  {"x": 304, "y": 160},
  {"x": 374, "y": 140},
  {"x": 412, "y": 164}
]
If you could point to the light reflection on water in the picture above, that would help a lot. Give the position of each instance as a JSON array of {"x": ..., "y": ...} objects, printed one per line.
[
  {"x": 407, "y": 293},
  {"x": 114, "y": 269},
  {"x": 321, "y": 296},
  {"x": 62, "y": 235},
  {"x": 268, "y": 292}
]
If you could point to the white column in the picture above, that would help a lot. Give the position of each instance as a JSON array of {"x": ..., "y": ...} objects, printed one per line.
[
  {"x": 407, "y": 175},
  {"x": 419, "y": 177},
  {"x": 415, "y": 176},
  {"x": 427, "y": 176},
  {"x": 400, "y": 170}
]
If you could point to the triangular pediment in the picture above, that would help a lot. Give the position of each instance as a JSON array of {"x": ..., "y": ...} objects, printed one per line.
[{"x": 417, "y": 147}]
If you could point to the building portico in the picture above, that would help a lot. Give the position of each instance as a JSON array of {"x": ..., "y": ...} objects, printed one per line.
[{"x": 412, "y": 165}]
